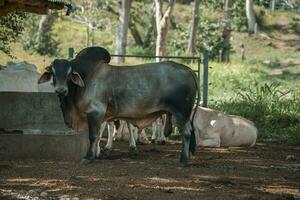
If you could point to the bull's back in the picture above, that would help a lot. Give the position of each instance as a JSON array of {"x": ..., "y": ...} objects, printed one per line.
[{"x": 151, "y": 87}]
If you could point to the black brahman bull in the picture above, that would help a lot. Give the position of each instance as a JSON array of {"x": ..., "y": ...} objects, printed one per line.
[{"x": 92, "y": 91}]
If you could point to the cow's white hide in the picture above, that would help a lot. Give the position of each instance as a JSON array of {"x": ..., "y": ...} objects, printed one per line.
[
  {"x": 215, "y": 129},
  {"x": 17, "y": 78},
  {"x": 122, "y": 133},
  {"x": 158, "y": 128},
  {"x": 21, "y": 77}
]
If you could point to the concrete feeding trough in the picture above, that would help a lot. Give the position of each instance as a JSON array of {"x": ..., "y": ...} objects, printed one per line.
[{"x": 32, "y": 127}]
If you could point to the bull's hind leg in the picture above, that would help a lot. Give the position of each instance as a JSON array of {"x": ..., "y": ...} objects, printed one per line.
[
  {"x": 93, "y": 124},
  {"x": 186, "y": 146}
]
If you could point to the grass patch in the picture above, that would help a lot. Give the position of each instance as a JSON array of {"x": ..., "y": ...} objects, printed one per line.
[{"x": 275, "y": 112}]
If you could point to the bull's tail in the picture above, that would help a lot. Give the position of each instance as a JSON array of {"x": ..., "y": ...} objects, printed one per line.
[{"x": 193, "y": 137}]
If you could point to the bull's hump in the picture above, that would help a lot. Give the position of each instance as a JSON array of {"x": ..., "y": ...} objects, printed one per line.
[{"x": 95, "y": 54}]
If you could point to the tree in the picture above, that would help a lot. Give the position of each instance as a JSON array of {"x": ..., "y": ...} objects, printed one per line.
[
  {"x": 151, "y": 27},
  {"x": 162, "y": 26},
  {"x": 122, "y": 31},
  {"x": 40, "y": 38},
  {"x": 194, "y": 25},
  {"x": 12, "y": 26},
  {"x": 250, "y": 16},
  {"x": 226, "y": 31}
]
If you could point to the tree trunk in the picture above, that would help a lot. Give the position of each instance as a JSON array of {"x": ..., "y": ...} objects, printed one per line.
[
  {"x": 272, "y": 5},
  {"x": 122, "y": 31},
  {"x": 162, "y": 26},
  {"x": 45, "y": 26},
  {"x": 250, "y": 16},
  {"x": 226, "y": 32},
  {"x": 87, "y": 41},
  {"x": 135, "y": 33},
  {"x": 194, "y": 25},
  {"x": 150, "y": 29}
]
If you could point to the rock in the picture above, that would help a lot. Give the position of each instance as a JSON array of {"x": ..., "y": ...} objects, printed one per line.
[
  {"x": 44, "y": 194},
  {"x": 33, "y": 193},
  {"x": 292, "y": 157},
  {"x": 64, "y": 197},
  {"x": 22, "y": 191}
]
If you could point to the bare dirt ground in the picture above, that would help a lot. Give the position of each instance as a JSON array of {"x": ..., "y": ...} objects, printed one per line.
[{"x": 267, "y": 171}]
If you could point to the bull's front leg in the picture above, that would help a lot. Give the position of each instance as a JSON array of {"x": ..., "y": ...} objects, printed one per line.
[{"x": 94, "y": 118}]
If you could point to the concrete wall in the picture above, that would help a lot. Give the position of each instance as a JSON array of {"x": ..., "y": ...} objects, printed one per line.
[
  {"x": 43, "y": 147},
  {"x": 30, "y": 110},
  {"x": 43, "y": 134}
]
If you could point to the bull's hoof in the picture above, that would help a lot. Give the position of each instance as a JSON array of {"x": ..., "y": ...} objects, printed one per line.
[
  {"x": 85, "y": 161},
  {"x": 192, "y": 152},
  {"x": 152, "y": 141},
  {"x": 133, "y": 150},
  {"x": 183, "y": 161},
  {"x": 143, "y": 142},
  {"x": 106, "y": 152},
  {"x": 183, "y": 164}
]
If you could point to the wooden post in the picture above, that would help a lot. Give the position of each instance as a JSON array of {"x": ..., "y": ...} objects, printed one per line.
[
  {"x": 242, "y": 52},
  {"x": 255, "y": 29},
  {"x": 220, "y": 55}
]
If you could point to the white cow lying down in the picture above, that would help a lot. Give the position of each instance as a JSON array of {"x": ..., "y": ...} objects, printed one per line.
[
  {"x": 21, "y": 77},
  {"x": 215, "y": 129}
]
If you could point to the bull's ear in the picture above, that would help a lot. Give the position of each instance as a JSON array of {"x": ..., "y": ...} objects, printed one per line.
[
  {"x": 45, "y": 77},
  {"x": 76, "y": 79}
]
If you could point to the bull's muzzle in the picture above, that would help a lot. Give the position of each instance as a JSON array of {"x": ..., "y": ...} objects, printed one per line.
[{"x": 61, "y": 92}]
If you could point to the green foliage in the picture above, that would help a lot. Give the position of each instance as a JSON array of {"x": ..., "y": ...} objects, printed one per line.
[
  {"x": 175, "y": 46},
  {"x": 44, "y": 44},
  {"x": 216, "y": 4},
  {"x": 274, "y": 112},
  {"x": 138, "y": 50},
  {"x": 210, "y": 37},
  {"x": 12, "y": 26},
  {"x": 239, "y": 17}
]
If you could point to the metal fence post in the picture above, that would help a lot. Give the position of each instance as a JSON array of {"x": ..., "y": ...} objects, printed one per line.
[
  {"x": 199, "y": 78},
  {"x": 205, "y": 79},
  {"x": 70, "y": 53}
]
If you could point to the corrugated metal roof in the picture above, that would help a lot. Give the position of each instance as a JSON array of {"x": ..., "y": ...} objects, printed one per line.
[{"x": 34, "y": 6}]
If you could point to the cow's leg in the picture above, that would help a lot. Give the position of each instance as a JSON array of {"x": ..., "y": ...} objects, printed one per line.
[
  {"x": 142, "y": 137},
  {"x": 118, "y": 135},
  {"x": 98, "y": 151},
  {"x": 132, "y": 137},
  {"x": 110, "y": 130},
  {"x": 154, "y": 131},
  {"x": 93, "y": 119},
  {"x": 161, "y": 139}
]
